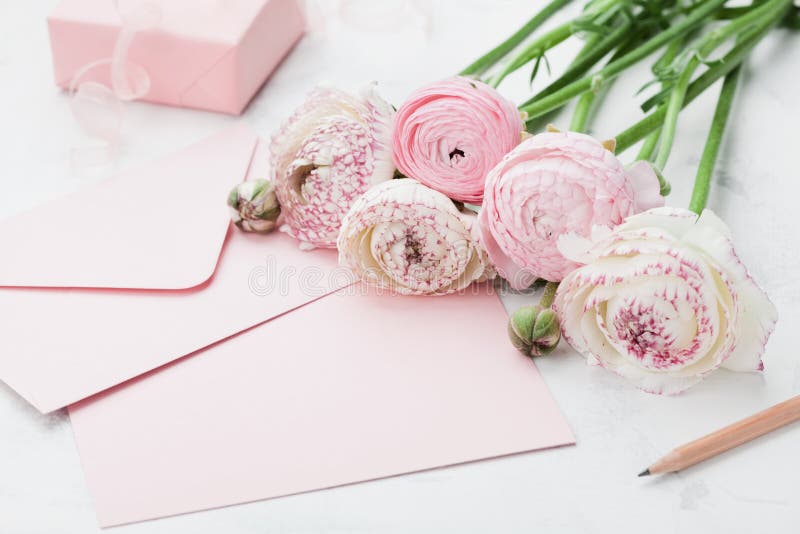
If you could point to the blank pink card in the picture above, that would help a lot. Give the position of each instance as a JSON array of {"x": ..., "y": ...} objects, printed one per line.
[{"x": 352, "y": 387}]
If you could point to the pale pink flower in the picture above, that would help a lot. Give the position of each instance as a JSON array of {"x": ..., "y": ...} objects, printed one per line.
[
  {"x": 331, "y": 150},
  {"x": 449, "y": 134},
  {"x": 404, "y": 236},
  {"x": 663, "y": 300},
  {"x": 552, "y": 184}
]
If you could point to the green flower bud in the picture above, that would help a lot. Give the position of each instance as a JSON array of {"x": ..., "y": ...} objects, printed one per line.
[
  {"x": 534, "y": 331},
  {"x": 254, "y": 206}
]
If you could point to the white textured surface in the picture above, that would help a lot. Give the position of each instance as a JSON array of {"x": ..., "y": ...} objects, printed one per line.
[{"x": 588, "y": 488}]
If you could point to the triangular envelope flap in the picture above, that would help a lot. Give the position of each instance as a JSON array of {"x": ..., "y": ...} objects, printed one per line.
[{"x": 158, "y": 227}]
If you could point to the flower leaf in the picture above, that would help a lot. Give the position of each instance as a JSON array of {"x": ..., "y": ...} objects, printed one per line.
[{"x": 535, "y": 69}]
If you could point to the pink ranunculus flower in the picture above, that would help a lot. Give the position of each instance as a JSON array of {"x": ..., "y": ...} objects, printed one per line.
[
  {"x": 555, "y": 183},
  {"x": 663, "y": 300},
  {"x": 327, "y": 154},
  {"x": 403, "y": 236},
  {"x": 449, "y": 135}
]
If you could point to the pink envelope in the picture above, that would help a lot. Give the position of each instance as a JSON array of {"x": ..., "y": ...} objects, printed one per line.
[
  {"x": 353, "y": 387},
  {"x": 133, "y": 273}
]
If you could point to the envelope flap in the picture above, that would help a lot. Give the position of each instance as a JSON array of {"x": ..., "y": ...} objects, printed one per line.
[{"x": 158, "y": 227}]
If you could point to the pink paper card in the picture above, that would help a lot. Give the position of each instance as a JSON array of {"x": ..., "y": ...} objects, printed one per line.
[{"x": 349, "y": 388}]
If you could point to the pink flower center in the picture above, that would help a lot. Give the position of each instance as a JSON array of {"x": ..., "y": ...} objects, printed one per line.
[
  {"x": 413, "y": 251},
  {"x": 456, "y": 155},
  {"x": 644, "y": 333},
  {"x": 660, "y": 331}
]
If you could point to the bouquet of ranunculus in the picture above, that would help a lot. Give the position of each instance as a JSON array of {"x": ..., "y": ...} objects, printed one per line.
[{"x": 460, "y": 185}]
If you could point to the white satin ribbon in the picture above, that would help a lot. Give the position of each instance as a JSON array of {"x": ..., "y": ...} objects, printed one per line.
[{"x": 98, "y": 108}]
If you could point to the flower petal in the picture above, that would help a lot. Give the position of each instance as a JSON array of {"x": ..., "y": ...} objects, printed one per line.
[
  {"x": 646, "y": 188},
  {"x": 517, "y": 277}
]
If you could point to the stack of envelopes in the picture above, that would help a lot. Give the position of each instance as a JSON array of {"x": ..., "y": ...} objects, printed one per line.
[{"x": 203, "y": 366}]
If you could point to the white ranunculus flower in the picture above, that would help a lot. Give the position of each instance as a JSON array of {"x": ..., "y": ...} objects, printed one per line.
[
  {"x": 332, "y": 149},
  {"x": 404, "y": 236},
  {"x": 663, "y": 300}
]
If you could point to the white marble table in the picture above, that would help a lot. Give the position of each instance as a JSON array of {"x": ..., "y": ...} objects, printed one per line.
[{"x": 591, "y": 487}]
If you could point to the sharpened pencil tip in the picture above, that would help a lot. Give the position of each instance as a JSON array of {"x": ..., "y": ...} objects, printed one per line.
[{"x": 645, "y": 473}]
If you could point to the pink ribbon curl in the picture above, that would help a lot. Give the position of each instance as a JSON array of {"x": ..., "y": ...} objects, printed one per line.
[{"x": 98, "y": 108}]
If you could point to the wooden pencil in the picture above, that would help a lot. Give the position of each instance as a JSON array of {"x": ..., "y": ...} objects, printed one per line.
[{"x": 727, "y": 438}]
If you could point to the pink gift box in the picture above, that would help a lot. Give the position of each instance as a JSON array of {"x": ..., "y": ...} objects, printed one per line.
[{"x": 205, "y": 54}]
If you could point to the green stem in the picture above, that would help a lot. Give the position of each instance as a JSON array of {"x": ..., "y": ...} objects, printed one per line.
[
  {"x": 697, "y": 17},
  {"x": 702, "y": 183},
  {"x": 668, "y": 56},
  {"x": 706, "y": 46},
  {"x": 589, "y": 46},
  {"x": 677, "y": 96},
  {"x": 539, "y": 46},
  {"x": 793, "y": 19},
  {"x": 586, "y": 102},
  {"x": 585, "y": 60},
  {"x": 664, "y": 65},
  {"x": 483, "y": 63},
  {"x": 625, "y": 46},
  {"x": 549, "y": 294},
  {"x": 608, "y": 18},
  {"x": 651, "y": 141},
  {"x": 649, "y": 146},
  {"x": 719, "y": 69},
  {"x": 582, "y": 110},
  {"x": 535, "y": 49}
]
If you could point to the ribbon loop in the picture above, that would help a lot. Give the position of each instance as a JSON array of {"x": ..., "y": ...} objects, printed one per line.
[{"x": 97, "y": 107}]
